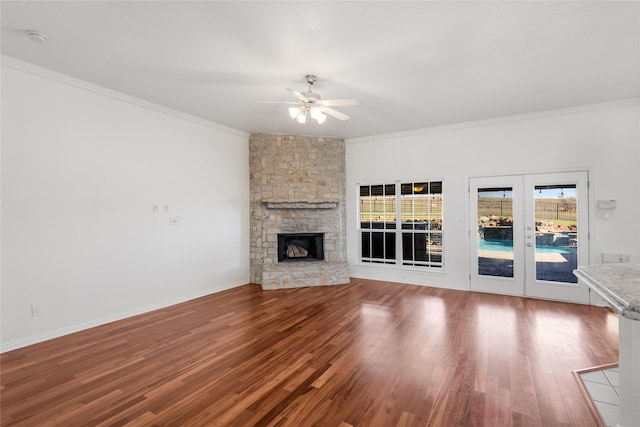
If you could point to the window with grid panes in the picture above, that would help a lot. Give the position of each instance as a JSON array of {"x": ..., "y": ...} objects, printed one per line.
[
  {"x": 421, "y": 208},
  {"x": 378, "y": 223},
  {"x": 418, "y": 207}
]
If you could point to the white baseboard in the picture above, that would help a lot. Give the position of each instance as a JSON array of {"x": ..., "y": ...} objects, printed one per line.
[
  {"x": 35, "y": 339},
  {"x": 420, "y": 277}
]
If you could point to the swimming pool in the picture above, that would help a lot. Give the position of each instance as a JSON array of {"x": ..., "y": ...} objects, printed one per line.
[{"x": 507, "y": 246}]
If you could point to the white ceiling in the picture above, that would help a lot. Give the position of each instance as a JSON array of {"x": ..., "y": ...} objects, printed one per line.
[{"x": 410, "y": 64}]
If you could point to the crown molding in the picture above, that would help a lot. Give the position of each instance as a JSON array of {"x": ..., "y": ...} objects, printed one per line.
[
  {"x": 499, "y": 120},
  {"x": 30, "y": 68}
]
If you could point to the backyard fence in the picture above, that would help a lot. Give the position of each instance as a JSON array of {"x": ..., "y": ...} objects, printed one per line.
[
  {"x": 565, "y": 210},
  {"x": 411, "y": 208},
  {"x": 551, "y": 210},
  {"x": 384, "y": 208}
]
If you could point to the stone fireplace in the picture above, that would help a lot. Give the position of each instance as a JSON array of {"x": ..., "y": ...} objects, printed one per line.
[{"x": 297, "y": 189}]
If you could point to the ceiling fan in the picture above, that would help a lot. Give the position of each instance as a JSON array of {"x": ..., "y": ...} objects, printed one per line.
[{"x": 310, "y": 105}]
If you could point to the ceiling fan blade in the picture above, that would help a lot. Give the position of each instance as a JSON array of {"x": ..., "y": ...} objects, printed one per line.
[
  {"x": 298, "y": 95},
  {"x": 339, "y": 102},
  {"x": 334, "y": 113}
]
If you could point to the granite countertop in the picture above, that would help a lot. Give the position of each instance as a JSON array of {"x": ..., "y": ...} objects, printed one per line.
[{"x": 618, "y": 284}]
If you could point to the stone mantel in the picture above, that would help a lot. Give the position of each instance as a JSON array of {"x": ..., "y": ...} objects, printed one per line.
[{"x": 301, "y": 204}]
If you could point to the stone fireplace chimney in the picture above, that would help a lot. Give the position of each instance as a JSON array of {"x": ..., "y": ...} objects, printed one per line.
[{"x": 297, "y": 186}]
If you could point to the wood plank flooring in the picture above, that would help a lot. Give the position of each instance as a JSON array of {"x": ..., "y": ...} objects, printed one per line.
[{"x": 366, "y": 354}]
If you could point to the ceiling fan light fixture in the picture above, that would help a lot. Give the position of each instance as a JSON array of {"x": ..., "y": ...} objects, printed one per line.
[
  {"x": 302, "y": 118},
  {"x": 316, "y": 113},
  {"x": 294, "y": 112},
  {"x": 310, "y": 105}
]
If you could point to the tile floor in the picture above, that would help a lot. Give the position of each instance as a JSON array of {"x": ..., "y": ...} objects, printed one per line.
[{"x": 604, "y": 388}]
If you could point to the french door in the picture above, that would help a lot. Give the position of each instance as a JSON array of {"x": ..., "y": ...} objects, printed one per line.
[{"x": 528, "y": 233}]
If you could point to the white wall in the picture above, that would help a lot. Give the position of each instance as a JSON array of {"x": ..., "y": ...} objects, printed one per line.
[
  {"x": 603, "y": 138},
  {"x": 81, "y": 170}
]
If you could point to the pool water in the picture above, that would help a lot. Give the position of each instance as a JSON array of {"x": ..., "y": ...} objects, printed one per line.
[{"x": 507, "y": 246}]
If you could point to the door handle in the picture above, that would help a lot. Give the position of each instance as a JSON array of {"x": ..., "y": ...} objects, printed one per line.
[{"x": 529, "y": 244}]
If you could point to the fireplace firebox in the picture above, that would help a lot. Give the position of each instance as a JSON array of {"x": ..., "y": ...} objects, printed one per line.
[{"x": 300, "y": 247}]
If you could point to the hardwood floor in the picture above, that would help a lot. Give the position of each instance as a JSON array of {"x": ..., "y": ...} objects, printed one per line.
[{"x": 366, "y": 354}]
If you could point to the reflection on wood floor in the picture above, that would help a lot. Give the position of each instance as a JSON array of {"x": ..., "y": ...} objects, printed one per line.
[{"x": 366, "y": 354}]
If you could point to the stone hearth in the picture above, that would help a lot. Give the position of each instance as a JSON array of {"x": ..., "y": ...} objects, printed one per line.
[{"x": 297, "y": 186}]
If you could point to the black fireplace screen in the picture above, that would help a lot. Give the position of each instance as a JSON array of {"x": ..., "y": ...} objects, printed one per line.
[{"x": 300, "y": 247}]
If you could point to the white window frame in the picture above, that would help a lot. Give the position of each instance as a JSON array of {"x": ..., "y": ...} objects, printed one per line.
[{"x": 399, "y": 231}]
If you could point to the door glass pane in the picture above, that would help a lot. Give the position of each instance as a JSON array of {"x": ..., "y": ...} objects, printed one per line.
[
  {"x": 556, "y": 233},
  {"x": 495, "y": 231}
]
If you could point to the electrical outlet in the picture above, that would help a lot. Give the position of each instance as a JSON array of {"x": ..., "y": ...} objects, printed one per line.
[
  {"x": 156, "y": 209},
  {"x": 36, "y": 310}
]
